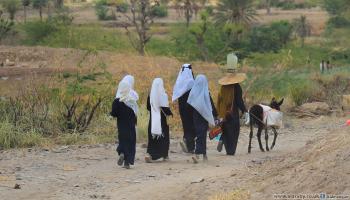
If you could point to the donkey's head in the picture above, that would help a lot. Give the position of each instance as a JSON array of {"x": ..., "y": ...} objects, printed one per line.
[{"x": 276, "y": 104}]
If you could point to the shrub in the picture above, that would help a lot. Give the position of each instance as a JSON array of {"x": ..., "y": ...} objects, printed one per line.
[
  {"x": 264, "y": 39},
  {"x": 160, "y": 11},
  {"x": 338, "y": 22},
  {"x": 300, "y": 94},
  {"x": 101, "y": 10},
  {"x": 36, "y": 31},
  {"x": 11, "y": 7},
  {"x": 8, "y": 135},
  {"x": 270, "y": 38},
  {"x": 122, "y": 7}
]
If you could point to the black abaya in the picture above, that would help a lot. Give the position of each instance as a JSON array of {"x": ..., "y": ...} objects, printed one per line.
[
  {"x": 201, "y": 128},
  {"x": 159, "y": 147},
  {"x": 231, "y": 127},
  {"x": 126, "y": 121},
  {"x": 186, "y": 114}
]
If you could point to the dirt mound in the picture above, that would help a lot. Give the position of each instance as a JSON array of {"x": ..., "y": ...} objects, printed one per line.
[{"x": 322, "y": 166}]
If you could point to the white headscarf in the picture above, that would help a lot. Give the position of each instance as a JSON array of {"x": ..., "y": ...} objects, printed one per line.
[
  {"x": 199, "y": 99},
  {"x": 126, "y": 94},
  {"x": 131, "y": 80},
  {"x": 184, "y": 81},
  {"x": 158, "y": 99}
]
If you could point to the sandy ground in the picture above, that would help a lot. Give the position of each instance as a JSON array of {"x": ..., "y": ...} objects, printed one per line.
[{"x": 90, "y": 172}]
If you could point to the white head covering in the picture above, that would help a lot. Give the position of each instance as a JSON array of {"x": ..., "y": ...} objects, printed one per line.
[
  {"x": 131, "y": 80},
  {"x": 158, "y": 99},
  {"x": 199, "y": 99},
  {"x": 184, "y": 81},
  {"x": 126, "y": 94}
]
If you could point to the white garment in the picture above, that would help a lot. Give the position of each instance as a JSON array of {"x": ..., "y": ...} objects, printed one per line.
[
  {"x": 131, "y": 80},
  {"x": 199, "y": 99},
  {"x": 158, "y": 99},
  {"x": 272, "y": 117},
  {"x": 184, "y": 82},
  {"x": 126, "y": 94}
]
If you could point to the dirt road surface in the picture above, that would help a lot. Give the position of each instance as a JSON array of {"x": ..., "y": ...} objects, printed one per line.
[{"x": 90, "y": 172}]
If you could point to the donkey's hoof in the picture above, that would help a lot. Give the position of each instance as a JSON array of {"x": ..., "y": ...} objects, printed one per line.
[
  {"x": 262, "y": 150},
  {"x": 272, "y": 146}
]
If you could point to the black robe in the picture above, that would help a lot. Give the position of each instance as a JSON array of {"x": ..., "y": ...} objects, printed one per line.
[
  {"x": 126, "y": 122},
  {"x": 201, "y": 126},
  {"x": 231, "y": 127},
  {"x": 186, "y": 114},
  {"x": 158, "y": 147}
]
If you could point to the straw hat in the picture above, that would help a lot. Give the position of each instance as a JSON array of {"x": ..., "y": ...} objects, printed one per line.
[{"x": 232, "y": 76}]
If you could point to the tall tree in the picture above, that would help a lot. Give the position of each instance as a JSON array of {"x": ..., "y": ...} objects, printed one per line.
[
  {"x": 268, "y": 7},
  {"x": 40, "y": 4},
  {"x": 240, "y": 12},
  {"x": 302, "y": 28},
  {"x": 59, "y": 3},
  {"x": 199, "y": 30},
  {"x": 142, "y": 19},
  {"x": 188, "y": 8},
  {"x": 25, "y": 4},
  {"x": 5, "y": 27},
  {"x": 11, "y": 6}
]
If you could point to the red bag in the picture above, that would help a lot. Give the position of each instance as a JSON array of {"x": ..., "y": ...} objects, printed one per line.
[{"x": 215, "y": 132}]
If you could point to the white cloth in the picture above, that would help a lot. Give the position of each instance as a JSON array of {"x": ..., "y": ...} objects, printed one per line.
[
  {"x": 131, "y": 80},
  {"x": 184, "y": 82},
  {"x": 158, "y": 99},
  {"x": 199, "y": 99},
  {"x": 126, "y": 94},
  {"x": 272, "y": 117}
]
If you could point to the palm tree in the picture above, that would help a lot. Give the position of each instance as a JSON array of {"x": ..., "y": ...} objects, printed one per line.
[
  {"x": 25, "y": 4},
  {"x": 239, "y": 12},
  {"x": 302, "y": 28}
]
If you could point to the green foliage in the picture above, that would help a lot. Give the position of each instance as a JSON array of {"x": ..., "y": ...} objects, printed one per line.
[
  {"x": 270, "y": 38},
  {"x": 337, "y": 22},
  {"x": 336, "y": 7},
  {"x": 5, "y": 27},
  {"x": 101, "y": 10},
  {"x": 26, "y": 2},
  {"x": 11, "y": 6},
  {"x": 8, "y": 135},
  {"x": 122, "y": 7},
  {"x": 38, "y": 4},
  {"x": 300, "y": 93},
  {"x": 235, "y": 12},
  {"x": 37, "y": 31},
  {"x": 159, "y": 11}
]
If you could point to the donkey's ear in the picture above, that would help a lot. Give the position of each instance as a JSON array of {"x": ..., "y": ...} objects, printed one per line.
[{"x": 280, "y": 103}]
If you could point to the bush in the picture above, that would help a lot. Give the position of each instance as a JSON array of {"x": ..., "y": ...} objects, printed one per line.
[
  {"x": 270, "y": 38},
  {"x": 11, "y": 7},
  {"x": 8, "y": 135},
  {"x": 338, "y": 22},
  {"x": 300, "y": 94},
  {"x": 101, "y": 10},
  {"x": 122, "y": 7},
  {"x": 160, "y": 11},
  {"x": 36, "y": 31},
  {"x": 264, "y": 39}
]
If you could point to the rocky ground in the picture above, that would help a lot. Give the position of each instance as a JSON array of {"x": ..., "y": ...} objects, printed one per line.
[{"x": 311, "y": 156}]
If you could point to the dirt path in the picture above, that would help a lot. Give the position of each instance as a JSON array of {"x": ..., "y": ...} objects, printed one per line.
[{"x": 90, "y": 172}]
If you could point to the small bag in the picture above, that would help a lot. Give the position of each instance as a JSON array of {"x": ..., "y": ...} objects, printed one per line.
[{"x": 215, "y": 132}]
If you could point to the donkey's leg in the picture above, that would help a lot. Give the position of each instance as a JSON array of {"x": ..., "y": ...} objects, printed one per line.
[
  {"x": 259, "y": 138},
  {"x": 274, "y": 138},
  {"x": 267, "y": 139},
  {"x": 250, "y": 137}
]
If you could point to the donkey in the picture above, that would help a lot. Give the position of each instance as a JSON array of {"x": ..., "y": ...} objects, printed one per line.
[{"x": 256, "y": 114}]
